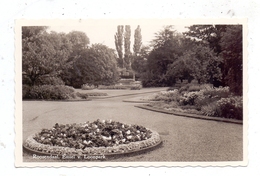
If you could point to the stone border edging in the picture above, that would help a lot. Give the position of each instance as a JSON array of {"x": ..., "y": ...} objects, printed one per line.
[
  {"x": 219, "y": 119},
  {"x": 113, "y": 96},
  {"x": 31, "y": 145}
]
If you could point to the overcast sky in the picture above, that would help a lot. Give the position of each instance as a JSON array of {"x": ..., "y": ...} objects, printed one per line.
[{"x": 104, "y": 32}]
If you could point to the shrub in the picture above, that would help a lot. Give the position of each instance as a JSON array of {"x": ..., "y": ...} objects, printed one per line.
[
  {"x": 231, "y": 107},
  {"x": 126, "y": 81},
  {"x": 203, "y": 100},
  {"x": 136, "y": 87},
  {"x": 87, "y": 87},
  {"x": 82, "y": 95},
  {"x": 51, "y": 92},
  {"x": 25, "y": 91},
  {"x": 194, "y": 88},
  {"x": 184, "y": 88},
  {"x": 211, "y": 109},
  {"x": 188, "y": 98},
  {"x": 49, "y": 80},
  {"x": 166, "y": 96},
  {"x": 221, "y": 92}
]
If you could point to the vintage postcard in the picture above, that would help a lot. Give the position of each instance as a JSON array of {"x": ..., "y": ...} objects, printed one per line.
[{"x": 132, "y": 92}]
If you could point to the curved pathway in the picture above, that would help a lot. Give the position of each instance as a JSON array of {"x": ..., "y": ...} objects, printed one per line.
[{"x": 184, "y": 139}]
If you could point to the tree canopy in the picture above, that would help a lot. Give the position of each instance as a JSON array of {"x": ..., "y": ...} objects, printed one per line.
[
  {"x": 96, "y": 65},
  {"x": 43, "y": 54}
]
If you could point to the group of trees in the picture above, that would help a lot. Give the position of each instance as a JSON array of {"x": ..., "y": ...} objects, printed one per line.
[
  {"x": 59, "y": 58},
  {"x": 207, "y": 53},
  {"x": 126, "y": 58}
]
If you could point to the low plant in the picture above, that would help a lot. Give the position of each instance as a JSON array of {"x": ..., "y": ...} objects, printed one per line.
[
  {"x": 136, "y": 87},
  {"x": 82, "y": 95},
  {"x": 51, "y": 92},
  {"x": 211, "y": 109},
  {"x": 212, "y": 92},
  {"x": 188, "y": 98},
  {"x": 94, "y": 94},
  {"x": 49, "y": 80},
  {"x": 87, "y": 87},
  {"x": 166, "y": 96},
  {"x": 25, "y": 91},
  {"x": 113, "y": 87},
  {"x": 231, "y": 107}
]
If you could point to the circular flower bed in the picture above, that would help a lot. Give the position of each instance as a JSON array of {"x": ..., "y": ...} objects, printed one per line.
[{"x": 104, "y": 137}]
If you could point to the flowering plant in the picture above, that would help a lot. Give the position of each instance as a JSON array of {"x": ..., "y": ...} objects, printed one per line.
[{"x": 104, "y": 136}]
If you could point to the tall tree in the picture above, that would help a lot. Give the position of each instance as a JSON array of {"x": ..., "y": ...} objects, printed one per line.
[
  {"x": 209, "y": 35},
  {"x": 43, "y": 54},
  {"x": 79, "y": 42},
  {"x": 127, "y": 43},
  {"x": 232, "y": 53},
  {"x": 139, "y": 64},
  {"x": 166, "y": 50},
  {"x": 96, "y": 65},
  {"x": 200, "y": 63},
  {"x": 119, "y": 45},
  {"x": 137, "y": 41}
]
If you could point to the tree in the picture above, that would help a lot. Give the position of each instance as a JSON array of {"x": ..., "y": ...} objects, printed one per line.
[
  {"x": 205, "y": 65},
  {"x": 137, "y": 41},
  {"x": 166, "y": 50},
  {"x": 140, "y": 62},
  {"x": 78, "y": 42},
  {"x": 232, "y": 46},
  {"x": 208, "y": 35},
  {"x": 127, "y": 43},
  {"x": 43, "y": 54},
  {"x": 180, "y": 69},
  {"x": 119, "y": 45},
  {"x": 136, "y": 59},
  {"x": 96, "y": 65}
]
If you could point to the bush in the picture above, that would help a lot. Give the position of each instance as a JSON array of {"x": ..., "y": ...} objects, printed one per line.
[
  {"x": 126, "y": 81},
  {"x": 188, "y": 98},
  {"x": 221, "y": 92},
  {"x": 49, "y": 80},
  {"x": 211, "y": 109},
  {"x": 87, "y": 87},
  {"x": 25, "y": 91},
  {"x": 194, "y": 88},
  {"x": 136, "y": 87},
  {"x": 166, "y": 96},
  {"x": 203, "y": 100},
  {"x": 82, "y": 95},
  {"x": 51, "y": 92},
  {"x": 231, "y": 107}
]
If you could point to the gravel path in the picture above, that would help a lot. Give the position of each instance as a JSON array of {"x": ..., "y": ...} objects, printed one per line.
[{"x": 184, "y": 139}]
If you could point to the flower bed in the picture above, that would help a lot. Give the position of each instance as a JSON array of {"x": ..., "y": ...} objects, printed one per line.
[
  {"x": 201, "y": 100},
  {"x": 99, "y": 137}
]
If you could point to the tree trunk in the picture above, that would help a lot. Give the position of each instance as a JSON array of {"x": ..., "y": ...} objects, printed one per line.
[{"x": 134, "y": 75}]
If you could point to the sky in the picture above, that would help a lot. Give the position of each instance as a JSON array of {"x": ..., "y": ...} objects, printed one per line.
[{"x": 104, "y": 32}]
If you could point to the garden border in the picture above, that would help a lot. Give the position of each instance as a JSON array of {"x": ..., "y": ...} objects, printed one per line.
[
  {"x": 158, "y": 142},
  {"x": 219, "y": 119}
]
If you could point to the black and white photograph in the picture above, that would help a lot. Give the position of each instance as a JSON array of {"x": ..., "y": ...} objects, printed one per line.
[{"x": 131, "y": 92}]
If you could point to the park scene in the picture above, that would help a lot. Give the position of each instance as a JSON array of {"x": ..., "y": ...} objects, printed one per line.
[{"x": 175, "y": 97}]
